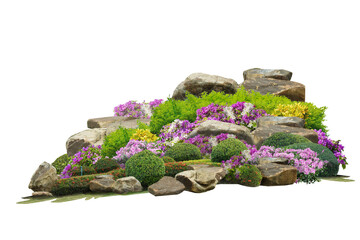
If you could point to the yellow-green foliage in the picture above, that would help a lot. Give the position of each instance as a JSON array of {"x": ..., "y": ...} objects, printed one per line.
[
  {"x": 313, "y": 116},
  {"x": 144, "y": 135}
]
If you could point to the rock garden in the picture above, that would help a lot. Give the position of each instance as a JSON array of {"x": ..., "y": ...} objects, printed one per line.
[{"x": 212, "y": 130}]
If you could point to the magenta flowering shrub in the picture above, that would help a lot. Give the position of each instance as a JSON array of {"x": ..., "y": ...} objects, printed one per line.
[
  {"x": 87, "y": 156},
  {"x": 306, "y": 161},
  {"x": 240, "y": 113},
  {"x": 136, "y": 146},
  {"x": 334, "y": 146},
  {"x": 137, "y": 110}
]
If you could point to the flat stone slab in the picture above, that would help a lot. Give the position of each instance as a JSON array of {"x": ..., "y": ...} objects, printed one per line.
[
  {"x": 262, "y": 133},
  {"x": 197, "y": 83},
  {"x": 126, "y": 123},
  {"x": 279, "y": 74},
  {"x": 266, "y": 160},
  {"x": 166, "y": 186},
  {"x": 277, "y": 174},
  {"x": 213, "y": 128},
  {"x": 42, "y": 194},
  {"x": 267, "y": 121},
  {"x": 293, "y": 90},
  {"x": 104, "y": 122}
]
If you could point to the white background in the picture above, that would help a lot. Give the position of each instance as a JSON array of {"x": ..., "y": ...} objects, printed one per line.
[{"x": 63, "y": 62}]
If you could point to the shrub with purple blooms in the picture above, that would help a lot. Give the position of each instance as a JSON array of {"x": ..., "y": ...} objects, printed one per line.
[
  {"x": 87, "y": 156},
  {"x": 240, "y": 113},
  {"x": 137, "y": 110},
  {"x": 306, "y": 161},
  {"x": 334, "y": 146},
  {"x": 136, "y": 146}
]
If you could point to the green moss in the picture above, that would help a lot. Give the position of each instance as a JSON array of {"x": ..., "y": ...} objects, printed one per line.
[
  {"x": 332, "y": 168},
  {"x": 226, "y": 149},
  {"x": 146, "y": 167},
  {"x": 183, "y": 151},
  {"x": 282, "y": 139}
]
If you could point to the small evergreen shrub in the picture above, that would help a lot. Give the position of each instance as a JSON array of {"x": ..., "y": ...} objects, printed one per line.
[
  {"x": 183, "y": 151},
  {"x": 167, "y": 159},
  {"x": 86, "y": 170},
  {"x": 146, "y": 167},
  {"x": 80, "y": 184},
  {"x": 105, "y": 165},
  {"x": 247, "y": 175},
  {"x": 282, "y": 139},
  {"x": 116, "y": 140},
  {"x": 173, "y": 168},
  {"x": 60, "y": 163},
  {"x": 332, "y": 168},
  {"x": 226, "y": 149}
]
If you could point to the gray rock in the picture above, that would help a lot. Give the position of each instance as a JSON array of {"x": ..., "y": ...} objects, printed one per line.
[
  {"x": 197, "y": 83},
  {"x": 102, "y": 185},
  {"x": 126, "y": 185},
  {"x": 213, "y": 128},
  {"x": 266, "y": 160},
  {"x": 205, "y": 175},
  {"x": 293, "y": 90},
  {"x": 267, "y": 121},
  {"x": 279, "y": 74},
  {"x": 262, "y": 133},
  {"x": 277, "y": 174},
  {"x": 104, "y": 122},
  {"x": 126, "y": 123},
  {"x": 166, "y": 186},
  {"x": 197, "y": 166},
  {"x": 104, "y": 176},
  {"x": 44, "y": 178},
  {"x": 85, "y": 138}
]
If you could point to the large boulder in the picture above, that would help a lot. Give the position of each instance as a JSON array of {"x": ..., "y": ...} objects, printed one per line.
[
  {"x": 85, "y": 138},
  {"x": 267, "y": 121},
  {"x": 213, "y": 128},
  {"x": 44, "y": 178},
  {"x": 262, "y": 133},
  {"x": 126, "y": 123},
  {"x": 197, "y": 83},
  {"x": 202, "y": 179},
  {"x": 127, "y": 185},
  {"x": 277, "y": 174},
  {"x": 104, "y": 122},
  {"x": 293, "y": 90},
  {"x": 102, "y": 185},
  {"x": 279, "y": 74},
  {"x": 166, "y": 186}
]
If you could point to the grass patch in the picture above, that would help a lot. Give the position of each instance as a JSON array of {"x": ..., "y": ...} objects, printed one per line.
[
  {"x": 338, "y": 178},
  {"x": 73, "y": 197}
]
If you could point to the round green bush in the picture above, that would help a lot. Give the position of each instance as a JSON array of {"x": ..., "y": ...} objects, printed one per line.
[
  {"x": 226, "y": 149},
  {"x": 249, "y": 175},
  {"x": 105, "y": 165},
  {"x": 86, "y": 170},
  {"x": 332, "y": 168},
  {"x": 282, "y": 139},
  {"x": 60, "y": 163},
  {"x": 146, "y": 167},
  {"x": 183, "y": 151},
  {"x": 167, "y": 159}
]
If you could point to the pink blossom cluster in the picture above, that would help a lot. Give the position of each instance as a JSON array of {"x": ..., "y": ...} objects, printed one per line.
[{"x": 137, "y": 110}]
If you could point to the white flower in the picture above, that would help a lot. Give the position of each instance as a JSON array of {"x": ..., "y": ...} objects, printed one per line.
[
  {"x": 231, "y": 136},
  {"x": 246, "y": 154},
  {"x": 229, "y": 112},
  {"x": 145, "y": 108},
  {"x": 213, "y": 141},
  {"x": 247, "y": 107}
]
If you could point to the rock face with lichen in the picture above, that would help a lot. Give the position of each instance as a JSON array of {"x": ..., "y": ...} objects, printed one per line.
[
  {"x": 197, "y": 83},
  {"x": 44, "y": 178}
]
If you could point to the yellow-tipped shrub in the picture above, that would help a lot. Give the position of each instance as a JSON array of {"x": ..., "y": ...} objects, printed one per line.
[
  {"x": 296, "y": 109},
  {"x": 144, "y": 135}
]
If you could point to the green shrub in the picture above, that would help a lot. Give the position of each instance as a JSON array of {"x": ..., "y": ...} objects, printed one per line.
[
  {"x": 80, "y": 184},
  {"x": 86, "y": 170},
  {"x": 60, "y": 163},
  {"x": 282, "y": 139},
  {"x": 202, "y": 161},
  {"x": 146, "y": 167},
  {"x": 247, "y": 175},
  {"x": 116, "y": 140},
  {"x": 105, "y": 165},
  {"x": 332, "y": 168},
  {"x": 172, "y": 109},
  {"x": 173, "y": 168},
  {"x": 226, "y": 149},
  {"x": 183, "y": 151},
  {"x": 167, "y": 159}
]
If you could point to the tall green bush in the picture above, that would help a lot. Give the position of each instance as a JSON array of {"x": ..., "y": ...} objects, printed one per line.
[{"x": 116, "y": 140}]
